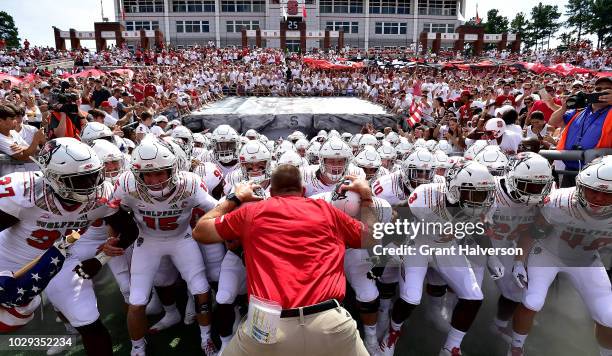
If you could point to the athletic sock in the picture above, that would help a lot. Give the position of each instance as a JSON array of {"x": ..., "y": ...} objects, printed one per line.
[
  {"x": 518, "y": 340},
  {"x": 395, "y": 326},
  {"x": 605, "y": 352},
  {"x": 454, "y": 339}
]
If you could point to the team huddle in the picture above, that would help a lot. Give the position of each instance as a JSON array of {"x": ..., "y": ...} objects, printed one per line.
[{"x": 100, "y": 201}]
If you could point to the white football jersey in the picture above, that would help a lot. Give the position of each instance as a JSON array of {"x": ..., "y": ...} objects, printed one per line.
[
  {"x": 210, "y": 174},
  {"x": 42, "y": 218},
  {"x": 511, "y": 219},
  {"x": 576, "y": 237},
  {"x": 226, "y": 170},
  {"x": 382, "y": 207},
  {"x": 169, "y": 218},
  {"x": 313, "y": 184},
  {"x": 391, "y": 188},
  {"x": 231, "y": 180}
]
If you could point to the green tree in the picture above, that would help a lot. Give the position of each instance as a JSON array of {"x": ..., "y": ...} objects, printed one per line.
[
  {"x": 520, "y": 25},
  {"x": 566, "y": 40},
  {"x": 495, "y": 22},
  {"x": 544, "y": 23},
  {"x": 599, "y": 22},
  {"x": 8, "y": 30},
  {"x": 578, "y": 15}
]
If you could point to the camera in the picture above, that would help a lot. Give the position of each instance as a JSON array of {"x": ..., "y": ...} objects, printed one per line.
[{"x": 576, "y": 101}]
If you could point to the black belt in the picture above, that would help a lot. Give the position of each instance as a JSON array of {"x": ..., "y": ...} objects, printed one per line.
[{"x": 311, "y": 309}]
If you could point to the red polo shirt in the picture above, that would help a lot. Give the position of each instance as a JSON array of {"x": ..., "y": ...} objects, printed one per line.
[{"x": 293, "y": 247}]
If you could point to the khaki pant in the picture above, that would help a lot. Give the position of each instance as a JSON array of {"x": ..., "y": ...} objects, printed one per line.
[{"x": 331, "y": 332}]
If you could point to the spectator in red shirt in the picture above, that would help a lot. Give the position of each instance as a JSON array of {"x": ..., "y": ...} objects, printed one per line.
[
  {"x": 506, "y": 95},
  {"x": 465, "y": 111},
  {"x": 548, "y": 102},
  {"x": 294, "y": 248}
]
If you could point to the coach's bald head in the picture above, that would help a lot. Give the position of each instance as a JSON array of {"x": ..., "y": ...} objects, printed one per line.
[{"x": 286, "y": 180}]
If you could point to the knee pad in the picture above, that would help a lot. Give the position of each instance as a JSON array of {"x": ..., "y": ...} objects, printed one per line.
[
  {"x": 387, "y": 290},
  {"x": 203, "y": 308},
  {"x": 401, "y": 310},
  {"x": 533, "y": 301},
  {"x": 92, "y": 329},
  {"x": 225, "y": 297},
  {"x": 469, "y": 305},
  {"x": 369, "y": 307},
  {"x": 603, "y": 313},
  {"x": 436, "y": 290}
]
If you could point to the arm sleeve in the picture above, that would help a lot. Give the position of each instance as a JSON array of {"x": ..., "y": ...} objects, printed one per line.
[
  {"x": 204, "y": 200},
  {"x": 123, "y": 223},
  {"x": 229, "y": 226},
  {"x": 568, "y": 116},
  {"x": 349, "y": 230}
]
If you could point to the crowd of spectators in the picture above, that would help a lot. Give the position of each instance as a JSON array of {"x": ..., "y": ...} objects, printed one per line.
[{"x": 170, "y": 84}]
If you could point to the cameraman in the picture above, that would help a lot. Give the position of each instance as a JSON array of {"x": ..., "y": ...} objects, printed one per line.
[
  {"x": 65, "y": 119},
  {"x": 586, "y": 128}
]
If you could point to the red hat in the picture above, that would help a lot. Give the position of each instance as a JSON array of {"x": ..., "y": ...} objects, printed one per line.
[
  {"x": 105, "y": 104},
  {"x": 466, "y": 93}
]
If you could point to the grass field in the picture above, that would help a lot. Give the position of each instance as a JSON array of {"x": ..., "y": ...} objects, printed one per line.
[{"x": 562, "y": 328}]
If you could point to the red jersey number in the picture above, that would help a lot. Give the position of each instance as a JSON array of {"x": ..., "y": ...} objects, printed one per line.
[
  {"x": 164, "y": 224},
  {"x": 6, "y": 191},
  {"x": 43, "y": 239}
]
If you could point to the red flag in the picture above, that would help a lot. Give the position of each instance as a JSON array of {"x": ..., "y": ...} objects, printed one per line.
[
  {"x": 304, "y": 14},
  {"x": 478, "y": 20},
  {"x": 415, "y": 113}
]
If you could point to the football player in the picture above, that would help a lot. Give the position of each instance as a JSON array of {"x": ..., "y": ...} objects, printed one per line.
[
  {"x": 578, "y": 225},
  {"x": 38, "y": 208},
  {"x": 162, "y": 199},
  {"x": 469, "y": 191}
]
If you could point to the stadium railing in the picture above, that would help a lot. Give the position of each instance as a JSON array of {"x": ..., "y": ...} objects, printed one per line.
[{"x": 574, "y": 155}]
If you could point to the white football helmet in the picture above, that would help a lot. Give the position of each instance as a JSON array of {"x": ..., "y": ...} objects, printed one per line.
[
  {"x": 495, "y": 128},
  {"x": 225, "y": 144},
  {"x": 251, "y": 134},
  {"x": 442, "y": 163},
  {"x": 403, "y": 149},
  {"x": 529, "y": 178},
  {"x": 301, "y": 146},
  {"x": 594, "y": 187},
  {"x": 333, "y": 133},
  {"x": 152, "y": 156},
  {"x": 367, "y": 139},
  {"x": 474, "y": 149},
  {"x": 393, "y": 138},
  {"x": 200, "y": 141},
  {"x": 296, "y": 135},
  {"x": 368, "y": 160},
  {"x": 184, "y": 138},
  {"x": 283, "y": 147},
  {"x": 471, "y": 186},
  {"x": 420, "y": 142},
  {"x": 494, "y": 159},
  {"x": 95, "y": 131},
  {"x": 346, "y": 200},
  {"x": 322, "y": 133},
  {"x": 379, "y": 136},
  {"x": 335, "y": 149},
  {"x": 111, "y": 157},
  {"x": 347, "y": 136},
  {"x": 418, "y": 168},
  {"x": 72, "y": 169},
  {"x": 387, "y": 155},
  {"x": 292, "y": 158},
  {"x": 444, "y": 146},
  {"x": 255, "y": 160},
  {"x": 129, "y": 143},
  {"x": 354, "y": 143},
  {"x": 312, "y": 152},
  {"x": 431, "y": 145}
]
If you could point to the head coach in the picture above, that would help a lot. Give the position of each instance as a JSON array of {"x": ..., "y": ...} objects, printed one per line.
[{"x": 294, "y": 255}]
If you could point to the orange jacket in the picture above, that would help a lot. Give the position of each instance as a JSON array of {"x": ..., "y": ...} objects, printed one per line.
[{"x": 605, "y": 140}]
